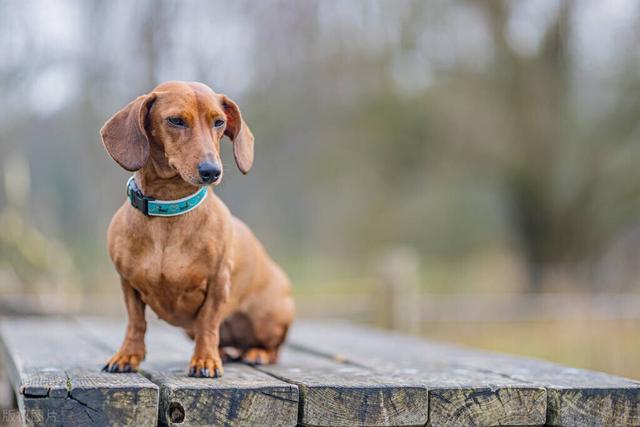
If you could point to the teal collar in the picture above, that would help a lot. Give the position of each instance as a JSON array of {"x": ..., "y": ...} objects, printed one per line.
[{"x": 152, "y": 207}]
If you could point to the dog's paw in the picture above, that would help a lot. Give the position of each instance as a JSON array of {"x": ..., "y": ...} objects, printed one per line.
[
  {"x": 258, "y": 356},
  {"x": 123, "y": 362},
  {"x": 205, "y": 367}
]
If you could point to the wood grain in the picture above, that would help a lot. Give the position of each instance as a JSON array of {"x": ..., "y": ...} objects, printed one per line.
[
  {"x": 575, "y": 397},
  {"x": 332, "y": 393},
  {"x": 458, "y": 395},
  {"x": 328, "y": 375},
  {"x": 335, "y": 393},
  {"x": 56, "y": 374},
  {"x": 243, "y": 396}
]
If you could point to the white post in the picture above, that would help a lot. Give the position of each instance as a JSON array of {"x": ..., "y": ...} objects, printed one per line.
[{"x": 400, "y": 296}]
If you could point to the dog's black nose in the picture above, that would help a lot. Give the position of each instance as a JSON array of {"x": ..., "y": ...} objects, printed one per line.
[{"x": 209, "y": 172}]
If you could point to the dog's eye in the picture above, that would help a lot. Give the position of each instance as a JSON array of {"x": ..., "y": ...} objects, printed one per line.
[
  {"x": 177, "y": 122},
  {"x": 218, "y": 124}
]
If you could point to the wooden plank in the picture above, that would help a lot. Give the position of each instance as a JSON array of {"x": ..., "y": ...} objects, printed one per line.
[
  {"x": 343, "y": 374},
  {"x": 463, "y": 396},
  {"x": 335, "y": 393},
  {"x": 456, "y": 396},
  {"x": 56, "y": 374},
  {"x": 243, "y": 396},
  {"x": 574, "y": 396}
]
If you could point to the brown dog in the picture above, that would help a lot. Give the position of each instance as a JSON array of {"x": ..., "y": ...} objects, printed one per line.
[{"x": 203, "y": 270}]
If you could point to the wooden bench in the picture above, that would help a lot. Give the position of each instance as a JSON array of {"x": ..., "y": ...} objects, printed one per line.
[{"x": 330, "y": 374}]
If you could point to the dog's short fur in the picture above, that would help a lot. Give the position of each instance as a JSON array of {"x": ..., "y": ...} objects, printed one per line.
[{"x": 204, "y": 270}]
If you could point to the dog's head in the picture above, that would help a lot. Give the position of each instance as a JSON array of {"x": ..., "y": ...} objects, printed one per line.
[{"x": 186, "y": 121}]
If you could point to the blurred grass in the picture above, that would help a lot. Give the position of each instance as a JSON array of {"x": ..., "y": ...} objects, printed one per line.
[{"x": 612, "y": 346}]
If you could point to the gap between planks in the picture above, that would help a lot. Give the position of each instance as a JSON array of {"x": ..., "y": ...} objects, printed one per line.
[
  {"x": 330, "y": 392},
  {"x": 574, "y": 397}
]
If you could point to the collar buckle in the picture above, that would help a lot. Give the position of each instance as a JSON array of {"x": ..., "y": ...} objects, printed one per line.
[{"x": 137, "y": 199}]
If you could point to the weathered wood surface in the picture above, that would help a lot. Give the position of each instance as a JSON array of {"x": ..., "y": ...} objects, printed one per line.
[
  {"x": 574, "y": 397},
  {"x": 329, "y": 374},
  {"x": 457, "y": 395},
  {"x": 56, "y": 373},
  {"x": 335, "y": 393},
  {"x": 243, "y": 396}
]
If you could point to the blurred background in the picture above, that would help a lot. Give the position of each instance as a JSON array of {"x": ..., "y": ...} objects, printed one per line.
[{"x": 463, "y": 170}]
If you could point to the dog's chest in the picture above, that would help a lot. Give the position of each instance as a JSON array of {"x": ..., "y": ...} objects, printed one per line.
[{"x": 171, "y": 270}]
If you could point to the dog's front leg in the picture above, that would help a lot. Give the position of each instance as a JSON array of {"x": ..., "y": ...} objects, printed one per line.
[
  {"x": 206, "y": 361},
  {"x": 132, "y": 351}
]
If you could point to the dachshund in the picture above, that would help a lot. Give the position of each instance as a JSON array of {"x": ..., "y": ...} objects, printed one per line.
[{"x": 174, "y": 243}]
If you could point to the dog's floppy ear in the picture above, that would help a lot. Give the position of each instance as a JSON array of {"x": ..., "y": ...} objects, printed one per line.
[
  {"x": 124, "y": 135},
  {"x": 239, "y": 133}
]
